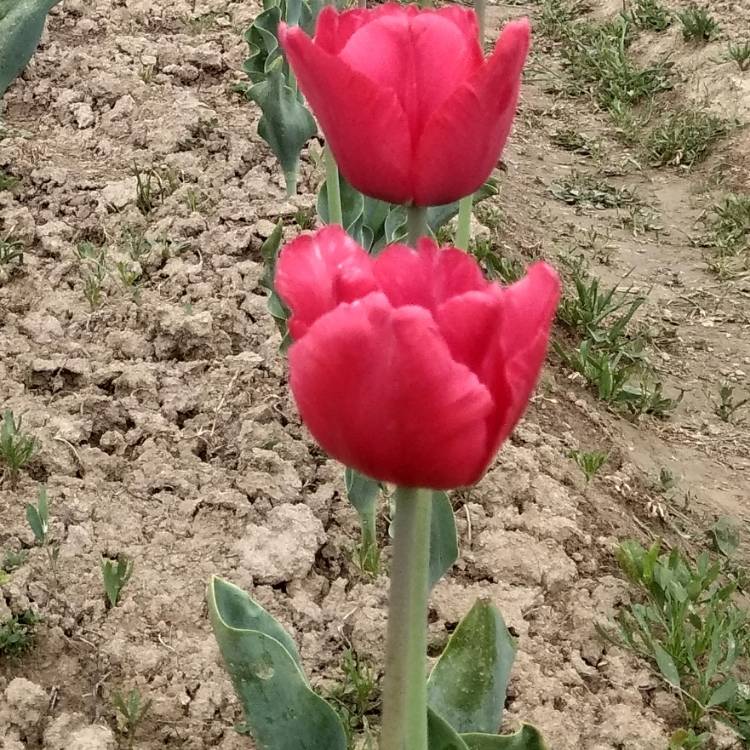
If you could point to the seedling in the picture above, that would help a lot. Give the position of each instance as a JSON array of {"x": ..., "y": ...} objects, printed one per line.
[
  {"x": 94, "y": 261},
  {"x": 648, "y": 14},
  {"x": 115, "y": 574},
  {"x": 16, "y": 447},
  {"x": 38, "y": 518},
  {"x": 729, "y": 226},
  {"x": 356, "y": 697},
  {"x": 690, "y": 628},
  {"x": 12, "y": 560},
  {"x": 589, "y": 462},
  {"x": 726, "y": 407},
  {"x": 131, "y": 711},
  {"x": 495, "y": 265},
  {"x": 7, "y": 181},
  {"x": 153, "y": 186},
  {"x": 11, "y": 250},
  {"x": 305, "y": 218},
  {"x": 685, "y": 137},
  {"x": 17, "y": 634},
  {"x": 698, "y": 25},
  {"x": 687, "y": 739},
  {"x": 740, "y": 53}
]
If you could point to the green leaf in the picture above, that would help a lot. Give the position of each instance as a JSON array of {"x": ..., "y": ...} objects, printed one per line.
[
  {"x": 32, "y": 516},
  {"x": 723, "y": 694},
  {"x": 239, "y": 611},
  {"x": 286, "y": 124},
  {"x": 441, "y": 735},
  {"x": 263, "y": 43},
  {"x": 281, "y": 712},
  {"x": 666, "y": 665},
  {"x": 21, "y": 27},
  {"x": 726, "y": 536},
  {"x": 526, "y": 738},
  {"x": 467, "y": 685},
  {"x": 352, "y": 206},
  {"x": 443, "y": 537},
  {"x": 364, "y": 494}
]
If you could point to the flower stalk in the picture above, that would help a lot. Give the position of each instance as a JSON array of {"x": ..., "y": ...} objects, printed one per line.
[
  {"x": 416, "y": 224},
  {"x": 405, "y": 685},
  {"x": 333, "y": 189}
]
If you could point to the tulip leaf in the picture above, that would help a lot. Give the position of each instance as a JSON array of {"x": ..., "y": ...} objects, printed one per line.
[
  {"x": 441, "y": 735},
  {"x": 286, "y": 124},
  {"x": 395, "y": 225},
  {"x": 269, "y": 251},
  {"x": 21, "y": 27},
  {"x": 352, "y": 207},
  {"x": 263, "y": 35},
  {"x": 279, "y": 706},
  {"x": 467, "y": 685},
  {"x": 364, "y": 494},
  {"x": 443, "y": 537},
  {"x": 526, "y": 738}
]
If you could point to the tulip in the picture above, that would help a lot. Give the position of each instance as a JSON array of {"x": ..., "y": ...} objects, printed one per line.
[
  {"x": 410, "y": 107},
  {"x": 410, "y": 366}
]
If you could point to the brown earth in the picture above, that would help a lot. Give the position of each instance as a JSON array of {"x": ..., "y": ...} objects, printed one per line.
[{"x": 167, "y": 432}]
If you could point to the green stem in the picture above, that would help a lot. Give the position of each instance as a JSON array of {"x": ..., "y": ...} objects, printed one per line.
[
  {"x": 416, "y": 224},
  {"x": 480, "y": 8},
  {"x": 405, "y": 682},
  {"x": 463, "y": 228},
  {"x": 333, "y": 190}
]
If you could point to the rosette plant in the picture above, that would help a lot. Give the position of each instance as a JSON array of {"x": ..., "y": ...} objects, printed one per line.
[{"x": 406, "y": 363}]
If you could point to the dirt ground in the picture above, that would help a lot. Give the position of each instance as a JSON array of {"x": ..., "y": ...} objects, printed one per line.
[{"x": 167, "y": 432}]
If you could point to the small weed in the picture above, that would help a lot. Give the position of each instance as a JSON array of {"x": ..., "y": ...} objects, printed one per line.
[
  {"x": 131, "y": 711},
  {"x": 305, "y": 218},
  {"x": 589, "y": 462},
  {"x": 597, "y": 60},
  {"x": 650, "y": 15},
  {"x": 7, "y": 181},
  {"x": 115, "y": 574},
  {"x": 599, "y": 314},
  {"x": 130, "y": 276},
  {"x": 16, "y": 447},
  {"x": 687, "y": 739},
  {"x": 572, "y": 140},
  {"x": 153, "y": 186},
  {"x": 202, "y": 24},
  {"x": 740, "y": 53},
  {"x": 17, "y": 634},
  {"x": 38, "y": 519},
  {"x": 690, "y": 628},
  {"x": 640, "y": 221},
  {"x": 557, "y": 17},
  {"x": 356, "y": 697},
  {"x": 726, "y": 407},
  {"x": 12, "y": 560},
  {"x": 698, "y": 25},
  {"x": 582, "y": 189},
  {"x": 728, "y": 234},
  {"x": 10, "y": 250},
  {"x": 685, "y": 137},
  {"x": 193, "y": 200},
  {"x": 495, "y": 265},
  {"x": 94, "y": 262}
]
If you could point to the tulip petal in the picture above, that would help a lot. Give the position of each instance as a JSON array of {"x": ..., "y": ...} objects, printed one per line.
[
  {"x": 378, "y": 389},
  {"x": 427, "y": 276},
  {"x": 318, "y": 271},
  {"x": 464, "y": 138},
  {"x": 407, "y": 46},
  {"x": 333, "y": 29},
  {"x": 355, "y": 115},
  {"x": 517, "y": 351}
]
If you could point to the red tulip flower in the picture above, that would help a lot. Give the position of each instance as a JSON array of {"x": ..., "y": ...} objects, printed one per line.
[
  {"x": 411, "y": 367},
  {"x": 410, "y": 107}
]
